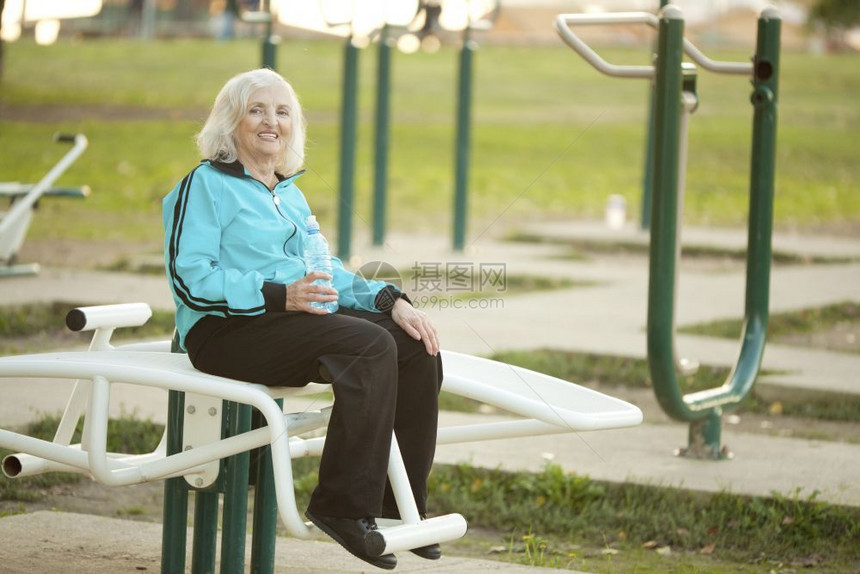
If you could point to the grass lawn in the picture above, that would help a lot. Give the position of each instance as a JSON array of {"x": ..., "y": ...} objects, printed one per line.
[{"x": 551, "y": 136}]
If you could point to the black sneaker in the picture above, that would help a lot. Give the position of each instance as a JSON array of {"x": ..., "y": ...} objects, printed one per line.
[
  {"x": 350, "y": 533},
  {"x": 430, "y": 552}
]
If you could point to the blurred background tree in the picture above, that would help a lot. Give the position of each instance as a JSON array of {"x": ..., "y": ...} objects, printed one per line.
[{"x": 835, "y": 17}]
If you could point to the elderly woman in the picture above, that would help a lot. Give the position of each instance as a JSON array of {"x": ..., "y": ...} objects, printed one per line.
[{"x": 234, "y": 243}]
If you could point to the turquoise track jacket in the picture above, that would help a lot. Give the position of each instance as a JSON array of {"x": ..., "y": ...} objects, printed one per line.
[{"x": 232, "y": 245}]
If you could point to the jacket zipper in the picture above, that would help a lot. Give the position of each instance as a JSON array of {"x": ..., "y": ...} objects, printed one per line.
[{"x": 277, "y": 201}]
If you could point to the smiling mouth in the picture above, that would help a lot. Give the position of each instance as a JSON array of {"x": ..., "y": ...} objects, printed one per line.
[{"x": 268, "y": 136}]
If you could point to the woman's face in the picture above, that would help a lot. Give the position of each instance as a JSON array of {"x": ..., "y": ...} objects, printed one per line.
[{"x": 265, "y": 129}]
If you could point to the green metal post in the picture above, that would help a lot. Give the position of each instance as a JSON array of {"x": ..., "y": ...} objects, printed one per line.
[
  {"x": 347, "y": 148},
  {"x": 269, "y": 45},
  {"x": 205, "y": 532},
  {"x": 380, "y": 179},
  {"x": 234, "y": 529},
  {"x": 464, "y": 111},
  {"x": 174, "y": 530},
  {"x": 661, "y": 301},
  {"x": 648, "y": 171},
  {"x": 265, "y": 508},
  {"x": 703, "y": 409},
  {"x": 175, "y": 513},
  {"x": 762, "y": 170}
]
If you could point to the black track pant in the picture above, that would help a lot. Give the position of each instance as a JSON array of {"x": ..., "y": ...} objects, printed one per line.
[{"x": 382, "y": 380}]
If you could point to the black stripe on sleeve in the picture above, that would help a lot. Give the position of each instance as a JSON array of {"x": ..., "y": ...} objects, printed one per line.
[{"x": 182, "y": 290}]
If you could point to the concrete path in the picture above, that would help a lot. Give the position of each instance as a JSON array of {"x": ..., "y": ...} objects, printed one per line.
[{"x": 53, "y": 543}]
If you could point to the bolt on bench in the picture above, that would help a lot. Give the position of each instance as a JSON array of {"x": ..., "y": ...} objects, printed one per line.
[{"x": 214, "y": 424}]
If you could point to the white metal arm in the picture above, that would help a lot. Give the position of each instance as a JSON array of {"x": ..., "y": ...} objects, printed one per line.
[
  {"x": 23, "y": 205},
  {"x": 564, "y": 21}
]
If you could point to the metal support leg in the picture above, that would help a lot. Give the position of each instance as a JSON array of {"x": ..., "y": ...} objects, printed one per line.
[
  {"x": 235, "y": 494},
  {"x": 265, "y": 509},
  {"x": 704, "y": 438},
  {"x": 464, "y": 120},
  {"x": 175, "y": 513},
  {"x": 205, "y": 532}
]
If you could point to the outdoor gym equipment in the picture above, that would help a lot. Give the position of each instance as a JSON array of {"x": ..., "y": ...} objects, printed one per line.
[
  {"x": 675, "y": 99},
  {"x": 385, "y": 30},
  {"x": 15, "y": 223},
  {"x": 210, "y": 436}
]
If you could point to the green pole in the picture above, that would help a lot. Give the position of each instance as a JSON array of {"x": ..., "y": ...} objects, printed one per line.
[
  {"x": 703, "y": 409},
  {"x": 347, "y": 148},
  {"x": 174, "y": 530},
  {"x": 762, "y": 175},
  {"x": 383, "y": 86},
  {"x": 461, "y": 170},
  {"x": 175, "y": 505},
  {"x": 269, "y": 44},
  {"x": 234, "y": 529},
  {"x": 648, "y": 171},
  {"x": 205, "y": 532},
  {"x": 661, "y": 288}
]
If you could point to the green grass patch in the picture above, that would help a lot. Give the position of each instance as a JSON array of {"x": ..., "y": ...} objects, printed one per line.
[
  {"x": 782, "y": 325},
  {"x": 33, "y": 327},
  {"x": 551, "y": 137},
  {"x": 559, "y": 519},
  {"x": 557, "y": 510},
  {"x": 131, "y": 511},
  {"x": 128, "y": 434},
  {"x": 588, "y": 368}
]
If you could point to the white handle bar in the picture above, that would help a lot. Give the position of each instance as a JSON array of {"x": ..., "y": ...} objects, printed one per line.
[{"x": 564, "y": 21}]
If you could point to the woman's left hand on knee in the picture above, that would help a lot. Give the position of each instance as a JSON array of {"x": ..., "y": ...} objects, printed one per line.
[{"x": 416, "y": 324}]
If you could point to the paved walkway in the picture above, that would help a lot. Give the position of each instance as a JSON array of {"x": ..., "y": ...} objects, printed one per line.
[
  {"x": 54, "y": 543},
  {"x": 605, "y": 314}
]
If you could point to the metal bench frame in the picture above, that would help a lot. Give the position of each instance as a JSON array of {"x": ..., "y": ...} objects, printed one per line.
[{"x": 546, "y": 405}]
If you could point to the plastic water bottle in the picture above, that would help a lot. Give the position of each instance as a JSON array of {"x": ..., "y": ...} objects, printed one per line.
[
  {"x": 616, "y": 211},
  {"x": 318, "y": 258}
]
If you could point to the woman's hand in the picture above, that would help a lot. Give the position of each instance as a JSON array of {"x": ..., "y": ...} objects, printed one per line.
[
  {"x": 416, "y": 324},
  {"x": 301, "y": 293}
]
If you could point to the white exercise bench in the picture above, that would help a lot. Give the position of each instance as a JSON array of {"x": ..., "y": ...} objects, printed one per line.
[{"x": 545, "y": 404}]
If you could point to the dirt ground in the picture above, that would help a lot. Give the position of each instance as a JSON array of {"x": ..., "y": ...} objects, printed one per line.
[{"x": 87, "y": 254}]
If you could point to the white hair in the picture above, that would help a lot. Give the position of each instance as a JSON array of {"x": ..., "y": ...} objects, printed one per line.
[{"x": 216, "y": 140}]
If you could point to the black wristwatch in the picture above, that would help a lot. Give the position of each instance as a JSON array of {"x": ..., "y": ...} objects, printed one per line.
[{"x": 387, "y": 297}]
